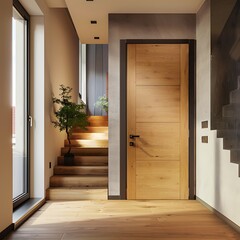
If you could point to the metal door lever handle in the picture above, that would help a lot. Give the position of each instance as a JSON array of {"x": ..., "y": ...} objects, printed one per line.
[{"x": 133, "y": 136}]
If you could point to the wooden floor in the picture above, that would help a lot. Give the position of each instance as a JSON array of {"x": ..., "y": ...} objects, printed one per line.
[{"x": 128, "y": 220}]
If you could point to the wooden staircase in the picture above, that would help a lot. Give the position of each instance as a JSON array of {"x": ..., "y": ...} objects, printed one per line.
[
  {"x": 229, "y": 127},
  {"x": 88, "y": 177}
]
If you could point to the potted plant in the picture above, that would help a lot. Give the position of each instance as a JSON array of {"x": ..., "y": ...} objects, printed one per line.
[
  {"x": 68, "y": 116},
  {"x": 102, "y": 103}
]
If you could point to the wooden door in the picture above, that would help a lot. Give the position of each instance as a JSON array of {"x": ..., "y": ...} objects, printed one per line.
[{"x": 157, "y": 110}]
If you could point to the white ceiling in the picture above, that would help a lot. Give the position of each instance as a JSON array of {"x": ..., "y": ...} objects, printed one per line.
[{"x": 83, "y": 12}]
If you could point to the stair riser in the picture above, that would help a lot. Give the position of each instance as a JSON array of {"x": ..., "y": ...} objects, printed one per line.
[
  {"x": 86, "y": 151},
  {"x": 98, "y": 124},
  {"x": 65, "y": 181},
  {"x": 90, "y": 136},
  {"x": 91, "y": 130},
  {"x": 231, "y": 143},
  {"x": 228, "y": 124},
  {"x": 235, "y": 157},
  {"x": 231, "y": 111},
  {"x": 76, "y": 194},
  {"x": 81, "y": 171},
  {"x": 97, "y": 118},
  {"x": 87, "y": 143},
  {"x": 228, "y": 133},
  {"x": 87, "y": 161}
]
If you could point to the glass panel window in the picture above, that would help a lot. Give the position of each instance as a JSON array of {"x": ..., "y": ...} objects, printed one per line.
[{"x": 20, "y": 126}]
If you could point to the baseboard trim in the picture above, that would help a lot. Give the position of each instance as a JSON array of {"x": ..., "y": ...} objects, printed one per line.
[
  {"x": 114, "y": 197},
  {"x": 220, "y": 215},
  {"x": 6, "y": 231}
]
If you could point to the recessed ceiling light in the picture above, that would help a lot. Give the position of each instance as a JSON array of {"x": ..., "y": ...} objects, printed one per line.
[
  {"x": 93, "y": 22},
  {"x": 96, "y": 37},
  {"x": 89, "y": 0}
]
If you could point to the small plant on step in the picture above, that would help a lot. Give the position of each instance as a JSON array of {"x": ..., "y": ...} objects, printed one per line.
[
  {"x": 68, "y": 116},
  {"x": 102, "y": 103}
]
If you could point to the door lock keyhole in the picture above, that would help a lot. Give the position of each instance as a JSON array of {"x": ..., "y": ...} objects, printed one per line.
[{"x": 131, "y": 144}]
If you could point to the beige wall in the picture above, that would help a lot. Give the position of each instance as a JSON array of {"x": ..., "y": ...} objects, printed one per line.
[
  {"x": 61, "y": 67},
  {"x": 5, "y": 113},
  {"x": 135, "y": 26},
  {"x": 217, "y": 182}
]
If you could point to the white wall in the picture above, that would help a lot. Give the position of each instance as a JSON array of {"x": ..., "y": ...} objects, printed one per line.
[
  {"x": 217, "y": 180},
  {"x": 6, "y": 114},
  {"x": 37, "y": 107}
]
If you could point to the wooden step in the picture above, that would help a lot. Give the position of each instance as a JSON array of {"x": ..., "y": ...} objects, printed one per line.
[
  {"x": 77, "y": 194},
  {"x": 78, "y": 181},
  {"x": 78, "y": 151},
  {"x": 97, "y": 118},
  {"x": 87, "y": 160},
  {"x": 98, "y": 124},
  {"x": 90, "y": 129},
  {"x": 90, "y": 136},
  {"x": 87, "y": 143},
  {"x": 98, "y": 121},
  {"x": 81, "y": 170}
]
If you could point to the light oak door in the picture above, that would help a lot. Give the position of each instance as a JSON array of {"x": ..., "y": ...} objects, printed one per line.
[{"x": 157, "y": 116}]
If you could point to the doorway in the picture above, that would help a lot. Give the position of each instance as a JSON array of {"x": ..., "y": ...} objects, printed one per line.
[{"x": 158, "y": 123}]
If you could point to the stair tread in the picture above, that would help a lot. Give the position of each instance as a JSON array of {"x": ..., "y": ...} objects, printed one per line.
[
  {"x": 87, "y": 143},
  {"x": 86, "y": 160},
  {"x": 78, "y": 188},
  {"x": 81, "y": 170},
  {"x": 77, "y": 193},
  {"x": 87, "y": 151},
  {"x": 79, "y": 176},
  {"x": 89, "y": 136},
  {"x": 87, "y": 147},
  {"x": 86, "y": 167}
]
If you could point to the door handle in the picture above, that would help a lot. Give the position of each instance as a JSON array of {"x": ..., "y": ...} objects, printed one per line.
[{"x": 133, "y": 136}]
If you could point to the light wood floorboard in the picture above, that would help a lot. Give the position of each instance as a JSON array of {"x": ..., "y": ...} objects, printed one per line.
[{"x": 130, "y": 220}]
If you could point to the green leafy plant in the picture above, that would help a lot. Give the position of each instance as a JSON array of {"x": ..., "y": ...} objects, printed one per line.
[
  {"x": 102, "y": 103},
  {"x": 69, "y": 114}
]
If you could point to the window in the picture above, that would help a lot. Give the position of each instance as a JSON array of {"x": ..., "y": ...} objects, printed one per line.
[{"x": 20, "y": 103}]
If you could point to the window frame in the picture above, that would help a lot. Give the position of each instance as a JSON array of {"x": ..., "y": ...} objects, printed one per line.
[{"x": 26, "y": 195}]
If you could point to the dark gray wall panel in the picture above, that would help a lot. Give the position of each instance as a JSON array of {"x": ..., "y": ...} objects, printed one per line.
[
  {"x": 97, "y": 67},
  {"x": 135, "y": 26}
]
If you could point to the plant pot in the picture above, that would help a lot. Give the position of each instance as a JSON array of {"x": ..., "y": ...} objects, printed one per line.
[{"x": 68, "y": 159}]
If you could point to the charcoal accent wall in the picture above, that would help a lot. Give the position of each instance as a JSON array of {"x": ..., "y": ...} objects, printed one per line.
[
  {"x": 126, "y": 27},
  {"x": 97, "y": 73},
  {"x": 225, "y": 60}
]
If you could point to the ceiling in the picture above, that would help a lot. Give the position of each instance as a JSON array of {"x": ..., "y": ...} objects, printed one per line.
[{"x": 85, "y": 11}]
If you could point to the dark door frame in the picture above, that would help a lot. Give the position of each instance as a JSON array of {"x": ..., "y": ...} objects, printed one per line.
[{"x": 123, "y": 110}]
